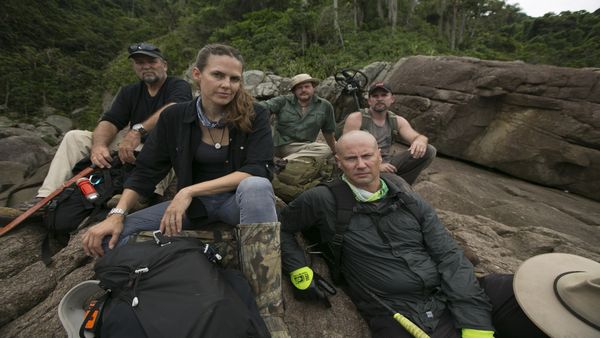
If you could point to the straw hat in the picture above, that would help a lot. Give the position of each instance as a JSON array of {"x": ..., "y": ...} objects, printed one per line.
[
  {"x": 560, "y": 293},
  {"x": 302, "y": 78}
]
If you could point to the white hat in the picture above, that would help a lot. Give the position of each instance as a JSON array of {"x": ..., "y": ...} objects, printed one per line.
[
  {"x": 560, "y": 293},
  {"x": 71, "y": 309},
  {"x": 301, "y": 78}
]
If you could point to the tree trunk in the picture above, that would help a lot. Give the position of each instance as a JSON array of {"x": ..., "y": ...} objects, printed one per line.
[
  {"x": 411, "y": 10},
  {"x": 380, "y": 10},
  {"x": 393, "y": 13},
  {"x": 441, "y": 8},
  {"x": 453, "y": 25},
  {"x": 336, "y": 22}
]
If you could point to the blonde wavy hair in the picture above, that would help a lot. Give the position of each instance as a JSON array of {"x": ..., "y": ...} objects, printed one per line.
[{"x": 240, "y": 111}]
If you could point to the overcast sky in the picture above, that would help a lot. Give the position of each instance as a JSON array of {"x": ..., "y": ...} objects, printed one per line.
[{"x": 537, "y": 8}]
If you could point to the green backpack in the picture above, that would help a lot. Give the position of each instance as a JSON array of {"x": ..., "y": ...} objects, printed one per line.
[{"x": 300, "y": 174}]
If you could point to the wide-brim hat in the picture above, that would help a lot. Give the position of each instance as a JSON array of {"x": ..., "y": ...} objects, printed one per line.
[
  {"x": 302, "y": 78},
  {"x": 144, "y": 48},
  {"x": 71, "y": 309},
  {"x": 560, "y": 293}
]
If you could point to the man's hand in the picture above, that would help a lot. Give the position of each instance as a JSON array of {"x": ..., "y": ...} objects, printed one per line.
[
  {"x": 100, "y": 156},
  {"x": 172, "y": 220},
  {"x": 387, "y": 168},
  {"x": 308, "y": 285},
  {"x": 128, "y": 145},
  {"x": 418, "y": 147},
  {"x": 92, "y": 239}
]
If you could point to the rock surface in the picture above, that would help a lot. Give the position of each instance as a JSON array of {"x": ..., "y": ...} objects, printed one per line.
[
  {"x": 464, "y": 105},
  {"x": 536, "y": 122}
]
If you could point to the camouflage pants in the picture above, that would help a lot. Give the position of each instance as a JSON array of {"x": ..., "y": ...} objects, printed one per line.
[{"x": 260, "y": 262}]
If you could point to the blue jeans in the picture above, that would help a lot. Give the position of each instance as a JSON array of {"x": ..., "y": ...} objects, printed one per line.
[{"x": 252, "y": 202}]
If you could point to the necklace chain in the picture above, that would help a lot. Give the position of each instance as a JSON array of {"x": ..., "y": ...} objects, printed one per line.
[{"x": 217, "y": 145}]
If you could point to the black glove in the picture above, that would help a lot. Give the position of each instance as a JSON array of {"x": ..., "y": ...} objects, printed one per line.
[{"x": 310, "y": 286}]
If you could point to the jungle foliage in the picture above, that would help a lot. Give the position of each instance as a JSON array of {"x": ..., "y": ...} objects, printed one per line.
[{"x": 69, "y": 55}]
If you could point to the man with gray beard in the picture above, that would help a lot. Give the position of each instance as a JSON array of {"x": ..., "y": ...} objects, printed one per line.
[
  {"x": 137, "y": 105},
  {"x": 387, "y": 128}
]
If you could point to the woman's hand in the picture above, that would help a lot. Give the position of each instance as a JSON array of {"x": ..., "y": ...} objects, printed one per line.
[
  {"x": 172, "y": 220},
  {"x": 92, "y": 239}
]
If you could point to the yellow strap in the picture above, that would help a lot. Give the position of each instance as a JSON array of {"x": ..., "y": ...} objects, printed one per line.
[{"x": 411, "y": 327}]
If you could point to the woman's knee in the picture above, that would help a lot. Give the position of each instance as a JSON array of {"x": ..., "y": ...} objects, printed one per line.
[{"x": 255, "y": 185}]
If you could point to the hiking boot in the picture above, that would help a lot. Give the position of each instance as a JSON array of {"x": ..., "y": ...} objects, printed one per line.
[{"x": 29, "y": 204}]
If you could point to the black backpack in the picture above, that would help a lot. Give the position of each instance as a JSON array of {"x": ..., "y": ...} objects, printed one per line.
[
  {"x": 172, "y": 290},
  {"x": 70, "y": 210}
]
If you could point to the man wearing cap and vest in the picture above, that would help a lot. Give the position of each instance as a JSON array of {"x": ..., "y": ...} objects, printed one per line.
[
  {"x": 137, "y": 105},
  {"x": 300, "y": 117},
  {"x": 394, "y": 255},
  {"x": 388, "y": 127}
]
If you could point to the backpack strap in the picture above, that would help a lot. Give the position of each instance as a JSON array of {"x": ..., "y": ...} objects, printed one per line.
[
  {"x": 406, "y": 200},
  {"x": 92, "y": 322},
  {"x": 345, "y": 202},
  {"x": 50, "y": 221}
]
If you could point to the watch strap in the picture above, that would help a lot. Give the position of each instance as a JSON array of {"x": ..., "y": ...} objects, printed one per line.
[{"x": 117, "y": 211}]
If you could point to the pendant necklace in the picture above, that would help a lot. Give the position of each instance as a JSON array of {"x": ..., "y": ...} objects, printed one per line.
[{"x": 216, "y": 144}]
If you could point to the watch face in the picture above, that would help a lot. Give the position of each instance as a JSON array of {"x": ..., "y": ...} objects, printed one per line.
[{"x": 139, "y": 128}]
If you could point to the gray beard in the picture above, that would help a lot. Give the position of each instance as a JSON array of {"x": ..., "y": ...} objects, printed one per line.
[{"x": 151, "y": 80}]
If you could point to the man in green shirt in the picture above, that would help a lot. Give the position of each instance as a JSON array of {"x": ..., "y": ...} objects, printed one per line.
[{"x": 300, "y": 117}]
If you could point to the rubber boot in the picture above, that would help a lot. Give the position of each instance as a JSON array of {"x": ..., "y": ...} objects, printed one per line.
[{"x": 260, "y": 262}]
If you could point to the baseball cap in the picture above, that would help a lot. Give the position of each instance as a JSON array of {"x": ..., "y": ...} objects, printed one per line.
[
  {"x": 145, "y": 49},
  {"x": 379, "y": 85}
]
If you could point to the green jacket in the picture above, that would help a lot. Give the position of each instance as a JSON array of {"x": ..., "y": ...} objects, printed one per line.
[
  {"x": 292, "y": 126},
  {"x": 418, "y": 269}
]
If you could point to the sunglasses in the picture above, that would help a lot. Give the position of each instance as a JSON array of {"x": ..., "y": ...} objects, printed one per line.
[{"x": 143, "y": 46}]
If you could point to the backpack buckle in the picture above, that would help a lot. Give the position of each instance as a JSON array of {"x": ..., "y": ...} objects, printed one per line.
[
  {"x": 211, "y": 254},
  {"x": 160, "y": 239}
]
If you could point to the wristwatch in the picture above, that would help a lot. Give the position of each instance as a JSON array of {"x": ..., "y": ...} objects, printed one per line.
[
  {"x": 139, "y": 128},
  {"x": 117, "y": 211}
]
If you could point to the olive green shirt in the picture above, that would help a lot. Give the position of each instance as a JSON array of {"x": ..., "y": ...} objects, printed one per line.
[{"x": 293, "y": 126}]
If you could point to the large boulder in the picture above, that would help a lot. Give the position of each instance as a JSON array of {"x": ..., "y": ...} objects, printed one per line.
[
  {"x": 30, "y": 151},
  {"x": 537, "y": 122}
]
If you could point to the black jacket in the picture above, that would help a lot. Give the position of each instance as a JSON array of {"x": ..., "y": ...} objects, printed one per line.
[
  {"x": 410, "y": 261},
  {"x": 170, "y": 144}
]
